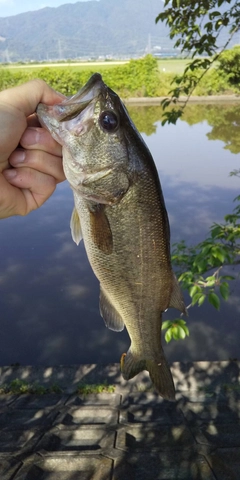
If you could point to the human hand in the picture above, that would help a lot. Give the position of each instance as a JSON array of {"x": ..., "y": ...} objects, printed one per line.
[{"x": 30, "y": 159}]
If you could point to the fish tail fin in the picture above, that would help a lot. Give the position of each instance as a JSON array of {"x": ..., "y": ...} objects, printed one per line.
[
  {"x": 159, "y": 373},
  {"x": 161, "y": 377}
]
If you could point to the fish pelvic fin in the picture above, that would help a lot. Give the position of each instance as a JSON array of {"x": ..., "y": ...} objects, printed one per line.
[
  {"x": 75, "y": 226},
  {"x": 159, "y": 373}
]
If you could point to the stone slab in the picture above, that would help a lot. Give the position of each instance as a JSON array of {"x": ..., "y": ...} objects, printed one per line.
[
  {"x": 163, "y": 466},
  {"x": 103, "y": 399},
  {"x": 165, "y": 413},
  {"x": 225, "y": 463},
  {"x": 16, "y": 440},
  {"x": 150, "y": 438},
  {"x": 25, "y": 418},
  {"x": 217, "y": 435},
  {"x": 66, "y": 468},
  {"x": 77, "y": 438},
  {"x": 40, "y": 401},
  {"x": 8, "y": 467},
  {"x": 91, "y": 415}
]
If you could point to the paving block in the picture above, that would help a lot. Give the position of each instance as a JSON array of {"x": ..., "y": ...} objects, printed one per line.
[
  {"x": 184, "y": 465},
  {"x": 202, "y": 412},
  {"x": 107, "y": 399},
  {"x": 6, "y": 400},
  {"x": 90, "y": 467},
  {"x": 162, "y": 413},
  {"x": 158, "y": 437},
  {"x": 76, "y": 438},
  {"x": 225, "y": 463},
  {"x": 40, "y": 401},
  {"x": 87, "y": 415},
  {"x": 217, "y": 435},
  {"x": 144, "y": 398},
  {"x": 8, "y": 467},
  {"x": 25, "y": 418},
  {"x": 14, "y": 440}
]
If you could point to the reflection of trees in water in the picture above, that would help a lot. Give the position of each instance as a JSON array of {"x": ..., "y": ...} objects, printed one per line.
[
  {"x": 145, "y": 117},
  {"x": 223, "y": 118}
]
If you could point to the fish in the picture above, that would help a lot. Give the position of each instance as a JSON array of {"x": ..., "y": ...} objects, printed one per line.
[{"x": 119, "y": 212}]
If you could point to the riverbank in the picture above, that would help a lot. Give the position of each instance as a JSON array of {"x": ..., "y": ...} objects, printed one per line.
[{"x": 192, "y": 99}]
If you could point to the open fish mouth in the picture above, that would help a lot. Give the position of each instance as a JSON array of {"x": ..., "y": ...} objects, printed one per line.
[{"x": 73, "y": 106}]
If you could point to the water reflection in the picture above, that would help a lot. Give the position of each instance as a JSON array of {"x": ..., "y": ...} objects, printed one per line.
[
  {"x": 223, "y": 118},
  {"x": 49, "y": 295}
]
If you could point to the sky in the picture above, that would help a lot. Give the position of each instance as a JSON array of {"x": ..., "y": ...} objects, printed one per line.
[{"x": 13, "y": 7}]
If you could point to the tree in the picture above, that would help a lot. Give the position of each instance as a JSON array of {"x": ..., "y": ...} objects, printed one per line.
[{"x": 197, "y": 28}]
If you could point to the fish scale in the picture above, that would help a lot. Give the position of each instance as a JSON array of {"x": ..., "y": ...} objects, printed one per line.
[{"x": 120, "y": 214}]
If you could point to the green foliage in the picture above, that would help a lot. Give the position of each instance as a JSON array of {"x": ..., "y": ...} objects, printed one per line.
[
  {"x": 193, "y": 265},
  {"x": 176, "y": 329},
  {"x": 229, "y": 64},
  {"x": 196, "y": 28},
  {"x": 86, "y": 389},
  {"x": 137, "y": 77},
  {"x": 19, "y": 387}
]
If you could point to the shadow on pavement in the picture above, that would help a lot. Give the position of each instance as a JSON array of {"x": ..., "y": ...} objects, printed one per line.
[{"x": 130, "y": 434}]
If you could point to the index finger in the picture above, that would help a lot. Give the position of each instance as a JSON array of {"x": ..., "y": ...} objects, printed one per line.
[{"x": 26, "y": 97}]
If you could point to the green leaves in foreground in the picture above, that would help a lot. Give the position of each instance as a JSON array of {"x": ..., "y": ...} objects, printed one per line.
[
  {"x": 199, "y": 268},
  {"x": 176, "y": 329}
]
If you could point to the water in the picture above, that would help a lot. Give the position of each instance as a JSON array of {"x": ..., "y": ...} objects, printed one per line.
[{"x": 48, "y": 294}]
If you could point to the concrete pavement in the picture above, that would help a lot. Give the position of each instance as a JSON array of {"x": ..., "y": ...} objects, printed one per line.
[{"x": 129, "y": 434}]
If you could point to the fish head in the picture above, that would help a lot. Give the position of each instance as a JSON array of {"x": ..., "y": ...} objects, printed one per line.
[{"x": 91, "y": 128}]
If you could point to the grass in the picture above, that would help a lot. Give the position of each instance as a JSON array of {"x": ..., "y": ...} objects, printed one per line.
[
  {"x": 74, "y": 67},
  {"x": 86, "y": 389},
  {"x": 176, "y": 65},
  {"x": 165, "y": 65},
  {"x": 20, "y": 387}
]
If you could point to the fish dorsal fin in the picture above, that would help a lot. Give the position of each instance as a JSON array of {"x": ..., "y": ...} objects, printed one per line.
[
  {"x": 176, "y": 300},
  {"x": 100, "y": 229},
  {"x": 75, "y": 226},
  {"x": 110, "y": 315}
]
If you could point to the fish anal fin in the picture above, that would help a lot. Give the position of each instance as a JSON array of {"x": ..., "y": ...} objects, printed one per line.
[
  {"x": 110, "y": 315},
  {"x": 176, "y": 300},
  {"x": 100, "y": 229},
  {"x": 75, "y": 226}
]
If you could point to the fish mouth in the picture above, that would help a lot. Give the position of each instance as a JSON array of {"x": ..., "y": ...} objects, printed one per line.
[{"x": 73, "y": 106}]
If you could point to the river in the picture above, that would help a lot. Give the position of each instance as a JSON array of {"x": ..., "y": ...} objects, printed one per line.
[{"x": 48, "y": 294}]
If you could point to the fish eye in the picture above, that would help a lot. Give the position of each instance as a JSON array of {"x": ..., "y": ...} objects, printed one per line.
[{"x": 109, "y": 121}]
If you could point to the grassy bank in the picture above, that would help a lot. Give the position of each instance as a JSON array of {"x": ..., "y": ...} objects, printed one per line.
[{"x": 146, "y": 77}]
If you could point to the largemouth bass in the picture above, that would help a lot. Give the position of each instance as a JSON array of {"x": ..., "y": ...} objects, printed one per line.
[{"x": 120, "y": 214}]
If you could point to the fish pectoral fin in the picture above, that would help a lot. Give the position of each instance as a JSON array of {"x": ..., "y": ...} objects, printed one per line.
[
  {"x": 75, "y": 226},
  {"x": 95, "y": 176},
  {"x": 176, "y": 300},
  {"x": 110, "y": 315},
  {"x": 100, "y": 229}
]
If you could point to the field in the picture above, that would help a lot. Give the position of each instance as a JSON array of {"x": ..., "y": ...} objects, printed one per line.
[{"x": 165, "y": 65}]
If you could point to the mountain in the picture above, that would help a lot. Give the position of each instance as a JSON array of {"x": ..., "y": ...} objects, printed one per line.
[
  {"x": 93, "y": 29},
  {"x": 83, "y": 29}
]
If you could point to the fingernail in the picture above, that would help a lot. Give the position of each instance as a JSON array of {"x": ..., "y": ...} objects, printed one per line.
[
  {"x": 10, "y": 173},
  {"x": 31, "y": 136},
  {"x": 17, "y": 157}
]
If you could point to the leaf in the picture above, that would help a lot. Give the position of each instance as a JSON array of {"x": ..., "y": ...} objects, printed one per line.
[
  {"x": 166, "y": 324},
  {"x": 214, "y": 300},
  {"x": 201, "y": 300},
  {"x": 193, "y": 290},
  {"x": 224, "y": 290},
  {"x": 168, "y": 335}
]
